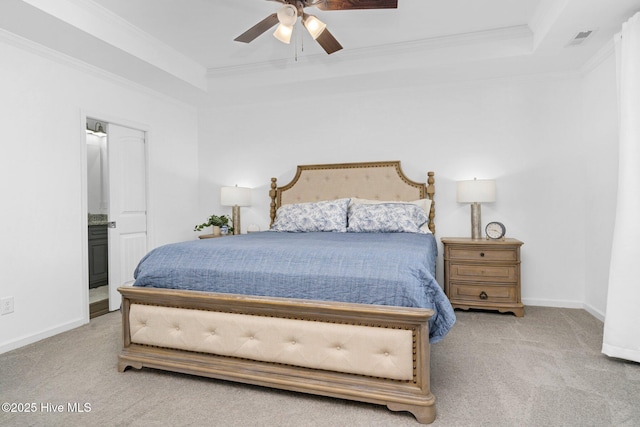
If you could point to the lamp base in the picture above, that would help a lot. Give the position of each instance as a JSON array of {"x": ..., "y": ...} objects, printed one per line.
[
  {"x": 476, "y": 233},
  {"x": 235, "y": 218}
]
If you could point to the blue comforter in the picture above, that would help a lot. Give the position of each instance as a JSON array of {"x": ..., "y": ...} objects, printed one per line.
[{"x": 394, "y": 269}]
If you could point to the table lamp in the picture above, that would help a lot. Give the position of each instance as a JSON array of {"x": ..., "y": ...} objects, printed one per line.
[
  {"x": 476, "y": 191},
  {"x": 236, "y": 197}
]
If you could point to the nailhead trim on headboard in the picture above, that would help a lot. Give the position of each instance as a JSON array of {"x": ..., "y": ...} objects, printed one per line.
[{"x": 369, "y": 180}]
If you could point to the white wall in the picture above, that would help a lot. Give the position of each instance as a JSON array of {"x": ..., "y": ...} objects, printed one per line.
[
  {"x": 525, "y": 132},
  {"x": 600, "y": 140},
  {"x": 539, "y": 136},
  {"x": 43, "y": 103}
]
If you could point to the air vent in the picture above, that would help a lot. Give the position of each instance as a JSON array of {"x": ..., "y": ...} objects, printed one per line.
[{"x": 580, "y": 38}]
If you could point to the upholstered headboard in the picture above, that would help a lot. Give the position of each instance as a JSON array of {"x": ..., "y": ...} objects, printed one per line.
[{"x": 370, "y": 180}]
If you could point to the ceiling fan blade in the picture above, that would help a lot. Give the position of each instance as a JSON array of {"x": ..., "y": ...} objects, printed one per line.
[
  {"x": 255, "y": 31},
  {"x": 356, "y": 4},
  {"x": 328, "y": 42}
]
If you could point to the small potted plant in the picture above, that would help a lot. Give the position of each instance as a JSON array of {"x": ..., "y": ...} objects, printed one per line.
[{"x": 217, "y": 222}]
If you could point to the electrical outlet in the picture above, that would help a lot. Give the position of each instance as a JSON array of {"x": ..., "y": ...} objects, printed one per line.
[{"x": 6, "y": 305}]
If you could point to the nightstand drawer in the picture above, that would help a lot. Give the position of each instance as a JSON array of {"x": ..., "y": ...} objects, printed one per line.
[
  {"x": 483, "y": 254},
  {"x": 484, "y": 272},
  {"x": 481, "y": 292}
]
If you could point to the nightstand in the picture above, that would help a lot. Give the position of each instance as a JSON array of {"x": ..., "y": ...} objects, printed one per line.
[
  {"x": 483, "y": 274},
  {"x": 211, "y": 236}
]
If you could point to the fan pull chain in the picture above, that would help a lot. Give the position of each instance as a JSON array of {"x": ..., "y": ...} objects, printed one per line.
[
  {"x": 295, "y": 28},
  {"x": 298, "y": 36}
]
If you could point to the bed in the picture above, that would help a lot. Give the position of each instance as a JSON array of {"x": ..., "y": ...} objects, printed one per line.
[{"x": 348, "y": 343}]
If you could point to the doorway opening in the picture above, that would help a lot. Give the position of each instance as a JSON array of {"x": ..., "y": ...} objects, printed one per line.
[
  {"x": 98, "y": 210},
  {"x": 116, "y": 202}
]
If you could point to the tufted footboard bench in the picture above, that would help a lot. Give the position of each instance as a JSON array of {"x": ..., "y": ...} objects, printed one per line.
[{"x": 367, "y": 353}]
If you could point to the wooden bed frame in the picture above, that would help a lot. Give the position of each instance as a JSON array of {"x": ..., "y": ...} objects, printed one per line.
[{"x": 261, "y": 341}]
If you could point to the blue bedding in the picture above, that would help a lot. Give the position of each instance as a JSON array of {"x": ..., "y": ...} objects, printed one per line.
[{"x": 396, "y": 269}]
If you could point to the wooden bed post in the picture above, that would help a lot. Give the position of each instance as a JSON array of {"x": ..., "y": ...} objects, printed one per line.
[
  {"x": 273, "y": 193},
  {"x": 431, "y": 190}
]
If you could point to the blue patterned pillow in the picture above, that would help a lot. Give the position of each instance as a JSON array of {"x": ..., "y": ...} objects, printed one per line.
[
  {"x": 387, "y": 218},
  {"x": 318, "y": 216}
]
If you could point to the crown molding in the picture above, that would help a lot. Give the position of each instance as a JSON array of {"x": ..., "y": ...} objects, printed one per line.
[
  {"x": 545, "y": 16},
  {"x": 101, "y": 23},
  {"x": 520, "y": 34},
  {"x": 53, "y": 55},
  {"x": 604, "y": 53}
]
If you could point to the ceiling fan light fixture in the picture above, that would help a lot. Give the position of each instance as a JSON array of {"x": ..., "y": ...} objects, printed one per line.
[
  {"x": 287, "y": 15},
  {"x": 283, "y": 33},
  {"x": 313, "y": 25}
]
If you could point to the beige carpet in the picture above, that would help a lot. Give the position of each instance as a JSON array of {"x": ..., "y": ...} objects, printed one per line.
[{"x": 544, "y": 369}]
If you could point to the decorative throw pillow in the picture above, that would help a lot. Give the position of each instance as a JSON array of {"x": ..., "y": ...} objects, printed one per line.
[
  {"x": 328, "y": 215},
  {"x": 386, "y": 218},
  {"x": 425, "y": 204}
]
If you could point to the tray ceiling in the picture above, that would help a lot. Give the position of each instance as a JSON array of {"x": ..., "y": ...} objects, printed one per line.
[{"x": 187, "y": 45}]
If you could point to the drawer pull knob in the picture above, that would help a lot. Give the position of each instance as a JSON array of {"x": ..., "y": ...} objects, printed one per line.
[
  {"x": 481, "y": 254},
  {"x": 483, "y": 295}
]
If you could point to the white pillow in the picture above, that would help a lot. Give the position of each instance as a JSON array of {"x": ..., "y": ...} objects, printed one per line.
[
  {"x": 328, "y": 215},
  {"x": 425, "y": 204}
]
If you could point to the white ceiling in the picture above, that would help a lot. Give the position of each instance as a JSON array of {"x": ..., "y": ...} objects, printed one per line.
[
  {"x": 204, "y": 29},
  {"x": 186, "y": 47}
]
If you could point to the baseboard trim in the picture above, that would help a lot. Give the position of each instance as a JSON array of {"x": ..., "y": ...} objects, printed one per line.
[
  {"x": 565, "y": 304},
  {"x": 553, "y": 303},
  {"x": 595, "y": 313},
  {"x": 21, "y": 342}
]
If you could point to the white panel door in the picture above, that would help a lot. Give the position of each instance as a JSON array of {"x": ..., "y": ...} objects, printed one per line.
[{"x": 127, "y": 207}]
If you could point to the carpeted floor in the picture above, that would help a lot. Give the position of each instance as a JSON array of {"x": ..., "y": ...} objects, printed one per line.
[{"x": 544, "y": 369}]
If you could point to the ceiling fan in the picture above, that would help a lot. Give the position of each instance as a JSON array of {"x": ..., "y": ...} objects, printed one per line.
[{"x": 288, "y": 15}]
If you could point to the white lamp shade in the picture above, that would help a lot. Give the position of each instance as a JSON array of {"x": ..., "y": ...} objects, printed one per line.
[
  {"x": 235, "y": 196},
  {"x": 283, "y": 33},
  {"x": 313, "y": 25},
  {"x": 476, "y": 191},
  {"x": 287, "y": 15}
]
